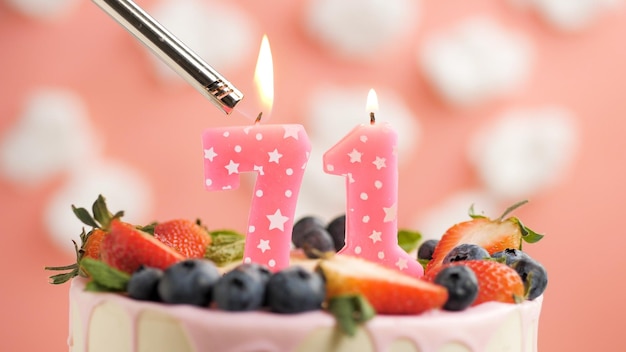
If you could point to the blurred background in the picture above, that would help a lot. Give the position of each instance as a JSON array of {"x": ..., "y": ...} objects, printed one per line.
[{"x": 494, "y": 101}]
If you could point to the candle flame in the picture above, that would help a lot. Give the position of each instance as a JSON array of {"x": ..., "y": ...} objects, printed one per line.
[
  {"x": 264, "y": 76},
  {"x": 372, "y": 101}
]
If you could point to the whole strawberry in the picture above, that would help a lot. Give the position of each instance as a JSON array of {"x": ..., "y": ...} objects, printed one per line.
[
  {"x": 126, "y": 248},
  {"x": 496, "y": 281},
  {"x": 493, "y": 235},
  {"x": 387, "y": 290},
  {"x": 187, "y": 237}
]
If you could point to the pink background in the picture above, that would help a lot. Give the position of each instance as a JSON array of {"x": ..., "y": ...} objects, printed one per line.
[{"x": 157, "y": 130}]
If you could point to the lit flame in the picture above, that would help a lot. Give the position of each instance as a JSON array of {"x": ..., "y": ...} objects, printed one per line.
[
  {"x": 372, "y": 101},
  {"x": 264, "y": 76}
]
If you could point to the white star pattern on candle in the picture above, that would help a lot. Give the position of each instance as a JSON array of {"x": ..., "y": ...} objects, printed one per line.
[
  {"x": 275, "y": 156},
  {"x": 264, "y": 245},
  {"x": 277, "y": 220},
  {"x": 258, "y": 169},
  {"x": 390, "y": 213},
  {"x": 355, "y": 156},
  {"x": 232, "y": 167},
  {"x": 379, "y": 162},
  {"x": 291, "y": 131},
  {"x": 401, "y": 263},
  {"x": 210, "y": 154},
  {"x": 375, "y": 236}
]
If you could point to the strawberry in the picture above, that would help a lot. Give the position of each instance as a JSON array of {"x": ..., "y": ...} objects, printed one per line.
[
  {"x": 90, "y": 241},
  {"x": 387, "y": 290},
  {"x": 496, "y": 281},
  {"x": 493, "y": 235},
  {"x": 187, "y": 237},
  {"x": 126, "y": 248}
]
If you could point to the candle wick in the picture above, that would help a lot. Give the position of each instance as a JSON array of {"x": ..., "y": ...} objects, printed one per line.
[
  {"x": 258, "y": 118},
  {"x": 372, "y": 118}
]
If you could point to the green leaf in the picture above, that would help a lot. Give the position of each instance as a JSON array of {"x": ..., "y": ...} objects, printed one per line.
[
  {"x": 226, "y": 247},
  {"x": 105, "y": 276},
  {"x": 423, "y": 262},
  {"x": 350, "y": 311},
  {"x": 528, "y": 235},
  {"x": 83, "y": 215},
  {"x": 473, "y": 214},
  {"x": 408, "y": 239}
]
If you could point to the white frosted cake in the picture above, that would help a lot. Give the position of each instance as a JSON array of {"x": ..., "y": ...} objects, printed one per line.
[{"x": 104, "y": 322}]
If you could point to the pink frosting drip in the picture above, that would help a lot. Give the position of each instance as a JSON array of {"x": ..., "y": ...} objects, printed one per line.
[{"x": 213, "y": 330}]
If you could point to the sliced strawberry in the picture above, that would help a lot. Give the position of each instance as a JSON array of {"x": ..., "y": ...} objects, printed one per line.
[
  {"x": 387, "y": 290},
  {"x": 126, "y": 248},
  {"x": 92, "y": 245},
  {"x": 493, "y": 235},
  {"x": 496, "y": 281},
  {"x": 187, "y": 237}
]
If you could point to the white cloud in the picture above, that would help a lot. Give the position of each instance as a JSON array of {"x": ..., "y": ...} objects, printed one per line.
[
  {"x": 570, "y": 15},
  {"x": 219, "y": 33},
  {"x": 52, "y": 134},
  {"x": 475, "y": 61},
  {"x": 43, "y": 9},
  {"x": 524, "y": 151},
  {"x": 123, "y": 187},
  {"x": 357, "y": 29}
]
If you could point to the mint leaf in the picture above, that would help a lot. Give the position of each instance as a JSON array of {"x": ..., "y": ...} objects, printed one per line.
[
  {"x": 408, "y": 239},
  {"x": 105, "y": 278},
  {"x": 350, "y": 311},
  {"x": 226, "y": 247}
]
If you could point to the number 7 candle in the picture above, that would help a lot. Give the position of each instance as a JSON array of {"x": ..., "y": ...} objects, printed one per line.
[
  {"x": 278, "y": 154},
  {"x": 367, "y": 158}
]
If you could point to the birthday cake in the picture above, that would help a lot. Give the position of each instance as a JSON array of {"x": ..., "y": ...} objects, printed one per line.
[{"x": 175, "y": 286}]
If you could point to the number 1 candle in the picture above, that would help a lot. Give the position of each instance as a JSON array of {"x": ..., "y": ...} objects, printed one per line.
[
  {"x": 367, "y": 158},
  {"x": 278, "y": 154}
]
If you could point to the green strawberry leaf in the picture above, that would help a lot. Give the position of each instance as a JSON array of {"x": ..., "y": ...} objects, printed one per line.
[
  {"x": 472, "y": 213},
  {"x": 408, "y": 239},
  {"x": 226, "y": 247},
  {"x": 528, "y": 235},
  {"x": 83, "y": 215},
  {"x": 105, "y": 278},
  {"x": 423, "y": 262},
  {"x": 350, "y": 311}
]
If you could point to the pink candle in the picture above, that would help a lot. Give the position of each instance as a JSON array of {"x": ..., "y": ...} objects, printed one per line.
[
  {"x": 367, "y": 158},
  {"x": 278, "y": 154}
]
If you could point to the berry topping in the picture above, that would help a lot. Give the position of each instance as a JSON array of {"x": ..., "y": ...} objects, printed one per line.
[
  {"x": 126, "y": 248},
  {"x": 496, "y": 281},
  {"x": 533, "y": 275},
  {"x": 387, "y": 290},
  {"x": 461, "y": 284},
  {"x": 242, "y": 288},
  {"x": 510, "y": 255},
  {"x": 187, "y": 237},
  {"x": 337, "y": 230},
  {"x": 143, "y": 284},
  {"x": 493, "y": 235},
  {"x": 466, "y": 251},
  {"x": 317, "y": 241},
  {"x": 295, "y": 290},
  {"x": 426, "y": 249},
  {"x": 189, "y": 282},
  {"x": 302, "y": 226}
]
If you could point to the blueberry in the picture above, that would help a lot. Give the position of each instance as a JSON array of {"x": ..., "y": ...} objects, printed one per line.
[
  {"x": 462, "y": 286},
  {"x": 295, "y": 290},
  {"x": 337, "y": 230},
  {"x": 426, "y": 249},
  {"x": 242, "y": 288},
  {"x": 466, "y": 251},
  {"x": 190, "y": 281},
  {"x": 143, "y": 284},
  {"x": 317, "y": 241},
  {"x": 302, "y": 226},
  {"x": 534, "y": 276},
  {"x": 511, "y": 255}
]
